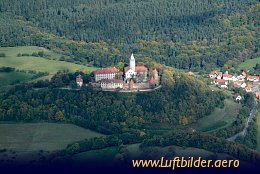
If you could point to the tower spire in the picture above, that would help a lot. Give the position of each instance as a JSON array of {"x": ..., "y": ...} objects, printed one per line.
[{"x": 132, "y": 62}]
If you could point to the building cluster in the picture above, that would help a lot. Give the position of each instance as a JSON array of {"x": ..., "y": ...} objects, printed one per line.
[
  {"x": 243, "y": 80},
  {"x": 133, "y": 77}
]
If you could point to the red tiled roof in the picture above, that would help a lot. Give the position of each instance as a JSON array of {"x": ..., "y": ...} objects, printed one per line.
[
  {"x": 137, "y": 69},
  {"x": 109, "y": 70},
  {"x": 141, "y": 69},
  {"x": 220, "y": 80},
  {"x": 227, "y": 75},
  {"x": 249, "y": 86},
  {"x": 253, "y": 77}
]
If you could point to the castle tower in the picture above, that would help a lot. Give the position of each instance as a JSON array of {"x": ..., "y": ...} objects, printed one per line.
[{"x": 132, "y": 62}]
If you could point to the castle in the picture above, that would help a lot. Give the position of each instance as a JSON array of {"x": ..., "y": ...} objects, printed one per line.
[{"x": 133, "y": 77}]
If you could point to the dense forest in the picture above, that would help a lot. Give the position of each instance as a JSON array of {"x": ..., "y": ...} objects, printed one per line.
[
  {"x": 109, "y": 112},
  {"x": 200, "y": 34}
]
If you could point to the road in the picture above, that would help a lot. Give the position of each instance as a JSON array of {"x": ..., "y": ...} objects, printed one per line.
[{"x": 249, "y": 120}]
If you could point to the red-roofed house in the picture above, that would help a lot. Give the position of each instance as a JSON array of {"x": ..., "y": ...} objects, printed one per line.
[
  {"x": 249, "y": 87},
  {"x": 237, "y": 96},
  {"x": 239, "y": 84},
  {"x": 227, "y": 76},
  {"x": 253, "y": 78},
  {"x": 217, "y": 81},
  {"x": 79, "y": 80},
  {"x": 106, "y": 73}
]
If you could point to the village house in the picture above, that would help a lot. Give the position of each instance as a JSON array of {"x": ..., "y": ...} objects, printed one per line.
[
  {"x": 237, "y": 97},
  {"x": 79, "y": 80},
  {"x": 239, "y": 84},
  {"x": 227, "y": 76},
  {"x": 243, "y": 75},
  {"x": 222, "y": 85},
  {"x": 106, "y": 73},
  {"x": 215, "y": 75},
  {"x": 253, "y": 78},
  {"x": 249, "y": 87},
  {"x": 218, "y": 81}
]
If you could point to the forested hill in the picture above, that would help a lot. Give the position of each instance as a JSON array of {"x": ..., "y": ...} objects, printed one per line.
[{"x": 180, "y": 33}]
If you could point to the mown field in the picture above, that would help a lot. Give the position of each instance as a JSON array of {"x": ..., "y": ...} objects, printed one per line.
[
  {"x": 41, "y": 136},
  {"x": 220, "y": 118},
  {"x": 37, "y": 63},
  {"x": 250, "y": 63}
]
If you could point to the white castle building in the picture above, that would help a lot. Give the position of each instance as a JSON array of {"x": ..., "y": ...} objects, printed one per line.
[{"x": 132, "y": 70}]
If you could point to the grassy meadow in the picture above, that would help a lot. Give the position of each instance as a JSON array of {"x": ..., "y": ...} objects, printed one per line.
[
  {"x": 41, "y": 136},
  {"x": 220, "y": 118},
  {"x": 39, "y": 64},
  {"x": 51, "y": 64},
  {"x": 250, "y": 63}
]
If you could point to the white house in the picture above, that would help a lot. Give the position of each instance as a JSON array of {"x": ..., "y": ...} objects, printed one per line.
[{"x": 237, "y": 97}]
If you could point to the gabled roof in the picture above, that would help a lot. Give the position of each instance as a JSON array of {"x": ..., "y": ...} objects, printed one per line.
[
  {"x": 227, "y": 75},
  {"x": 220, "y": 81},
  {"x": 253, "y": 77},
  {"x": 109, "y": 70},
  {"x": 137, "y": 69}
]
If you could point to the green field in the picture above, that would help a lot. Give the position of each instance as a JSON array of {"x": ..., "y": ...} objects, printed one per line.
[
  {"x": 41, "y": 136},
  {"x": 220, "y": 118},
  {"x": 10, "y": 77},
  {"x": 250, "y": 63},
  {"x": 51, "y": 65}
]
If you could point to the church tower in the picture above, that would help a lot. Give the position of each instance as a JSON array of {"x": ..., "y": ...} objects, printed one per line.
[{"x": 132, "y": 62}]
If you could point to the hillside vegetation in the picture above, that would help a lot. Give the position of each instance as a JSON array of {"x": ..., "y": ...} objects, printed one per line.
[{"x": 201, "y": 34}]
